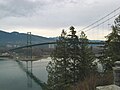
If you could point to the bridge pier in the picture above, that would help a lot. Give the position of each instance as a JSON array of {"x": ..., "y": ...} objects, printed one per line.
[
  {"x": 29, "y": 69},
  {"x": 29, "y": 65}
]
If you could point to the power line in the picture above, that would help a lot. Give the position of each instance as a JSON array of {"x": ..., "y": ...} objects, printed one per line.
[
  {"x": 100, "y": 19},
  {"x": 102, "y": 22}
]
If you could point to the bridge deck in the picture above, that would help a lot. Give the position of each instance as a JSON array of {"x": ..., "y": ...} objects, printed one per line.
[{"x": 47, "y": 43}]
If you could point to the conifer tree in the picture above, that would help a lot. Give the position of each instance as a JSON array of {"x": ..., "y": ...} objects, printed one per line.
[
  {"x": 87, "y": 57},
  {"x": 57, "y": 68},
  {"x": 72, "y": 60},
  {"x": 112, "y": 48}
]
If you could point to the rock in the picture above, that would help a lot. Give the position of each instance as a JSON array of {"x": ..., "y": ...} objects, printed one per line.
[
  {"x": 116, "y": 72},
  {"x": 109, "y": 87}
]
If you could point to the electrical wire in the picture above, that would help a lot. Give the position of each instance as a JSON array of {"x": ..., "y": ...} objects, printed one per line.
[
  {"x": 100, "y": 19},
  {"x": 101, "y": 23}
]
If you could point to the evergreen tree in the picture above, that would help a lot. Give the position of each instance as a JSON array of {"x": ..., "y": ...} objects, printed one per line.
[
  {"x": 74, "y": 49},
  {"x": 112, "y": 47},
  {"x": 72, "y": 60},
  {"x": 86, "y": 64},
  {"x": 58, "y": 74}
]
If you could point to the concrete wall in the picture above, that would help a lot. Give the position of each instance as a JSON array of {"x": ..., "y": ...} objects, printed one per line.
[{"x": 116, "y": 72}]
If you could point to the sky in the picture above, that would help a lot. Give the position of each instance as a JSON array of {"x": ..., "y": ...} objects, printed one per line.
[{"x": 48, "y": 17}]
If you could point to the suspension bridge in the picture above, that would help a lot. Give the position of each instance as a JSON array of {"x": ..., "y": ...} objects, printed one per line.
[{"x": 95, "y": 31}]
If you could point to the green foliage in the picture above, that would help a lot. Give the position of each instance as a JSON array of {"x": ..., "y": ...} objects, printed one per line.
[
  {"x": 72, "y": 60},
  {"x": 112, "y": 47}
]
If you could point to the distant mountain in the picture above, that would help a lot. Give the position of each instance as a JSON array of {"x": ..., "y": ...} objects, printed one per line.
[
  {"x": 20, "y": 39},
  {"x": 16, "y": 38},
  {"x": 96, "y": 40}
]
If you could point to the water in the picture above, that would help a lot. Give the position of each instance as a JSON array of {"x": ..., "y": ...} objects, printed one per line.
[{"x": 12, "y": 77}]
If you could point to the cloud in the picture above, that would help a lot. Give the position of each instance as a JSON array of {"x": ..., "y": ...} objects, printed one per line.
[
  {"x": 52, "y": 14},
  {"x": 18, "y": 8}
]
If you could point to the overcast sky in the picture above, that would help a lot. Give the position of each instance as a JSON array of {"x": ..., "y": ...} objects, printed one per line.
[{"x": 49, "y": 17}]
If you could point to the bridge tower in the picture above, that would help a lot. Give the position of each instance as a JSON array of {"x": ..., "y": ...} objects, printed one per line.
[
  {"x": 29, "y": 58},
  {"x": 29, "y": 49}
]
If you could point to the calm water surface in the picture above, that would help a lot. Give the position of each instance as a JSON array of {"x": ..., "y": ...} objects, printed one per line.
[{"x": 12, "y": 77}]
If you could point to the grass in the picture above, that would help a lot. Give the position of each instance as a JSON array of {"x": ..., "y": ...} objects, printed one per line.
[{"x": 94, "y": 80}]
